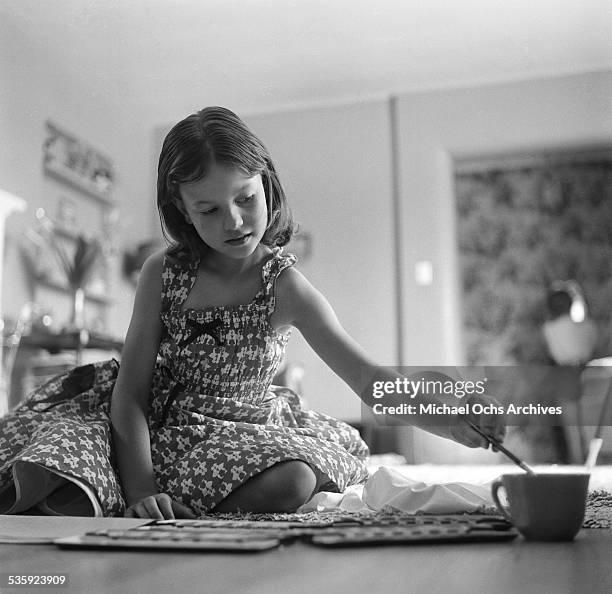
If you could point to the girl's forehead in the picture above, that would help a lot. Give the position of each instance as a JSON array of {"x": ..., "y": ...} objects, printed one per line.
[
  {"x": 221, "y": 177},
  {"x": 217, "y": 172}
]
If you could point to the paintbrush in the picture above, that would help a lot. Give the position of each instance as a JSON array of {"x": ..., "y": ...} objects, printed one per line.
[{"x": 497, "y": 445}]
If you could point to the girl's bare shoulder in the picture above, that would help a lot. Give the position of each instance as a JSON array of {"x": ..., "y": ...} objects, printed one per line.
[
  {"x": 297, "y": 300},
  {"x": 156, "y": 259},
  {"x": 153, "y": 267},
  {"x": 148, "y": 289},
  {"x": 291, "y": 284}
]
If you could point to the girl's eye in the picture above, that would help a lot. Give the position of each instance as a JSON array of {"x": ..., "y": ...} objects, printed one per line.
[
  {"x": 246, "y": 199},
  {"x": 209, "y": 211}
]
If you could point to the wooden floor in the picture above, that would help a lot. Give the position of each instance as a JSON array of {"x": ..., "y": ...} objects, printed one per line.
[{"x": 518, "y": 566}]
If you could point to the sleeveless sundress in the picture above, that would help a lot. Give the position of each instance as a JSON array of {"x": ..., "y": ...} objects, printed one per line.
[{"x": 215, "y": 420}]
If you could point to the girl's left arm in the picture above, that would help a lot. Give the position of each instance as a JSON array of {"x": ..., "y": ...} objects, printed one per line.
[{"x": 301, "y": 305}]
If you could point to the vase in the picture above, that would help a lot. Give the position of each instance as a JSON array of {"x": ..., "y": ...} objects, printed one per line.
[{"x": 77, "y": 320}]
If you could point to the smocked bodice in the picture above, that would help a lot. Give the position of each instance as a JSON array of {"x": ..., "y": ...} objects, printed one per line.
[{"x": 224, "y": 351}]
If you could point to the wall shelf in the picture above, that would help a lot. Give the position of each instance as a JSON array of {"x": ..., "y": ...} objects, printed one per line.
[
  {"x": 67, "y": 176},
  {"x": 74, "y": 162}
]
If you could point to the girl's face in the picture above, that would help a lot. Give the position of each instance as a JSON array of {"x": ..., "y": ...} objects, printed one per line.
[{"x": 228, "y": 210}]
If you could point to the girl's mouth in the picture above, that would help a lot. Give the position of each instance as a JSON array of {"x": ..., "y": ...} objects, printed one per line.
[{"x": 239, "y": 240}]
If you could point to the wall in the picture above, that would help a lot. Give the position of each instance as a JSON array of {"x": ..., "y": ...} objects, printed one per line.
[
  {"x": 335, "y": 165},
  {"x": 436, "y": 127},
  {"x": 34, "y": 89}
]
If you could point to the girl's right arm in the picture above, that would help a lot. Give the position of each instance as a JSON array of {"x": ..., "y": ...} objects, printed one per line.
[{"x": 130, "y": 400}]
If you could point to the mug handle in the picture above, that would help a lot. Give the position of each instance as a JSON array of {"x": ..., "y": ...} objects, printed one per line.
[{"x": 496, "y": 485}]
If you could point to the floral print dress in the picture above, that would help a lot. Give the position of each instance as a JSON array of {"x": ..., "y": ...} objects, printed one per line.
[{"x": 215, "y": 420}]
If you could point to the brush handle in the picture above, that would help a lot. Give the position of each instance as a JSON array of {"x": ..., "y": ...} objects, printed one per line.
[{"x": 501, "y": 448}]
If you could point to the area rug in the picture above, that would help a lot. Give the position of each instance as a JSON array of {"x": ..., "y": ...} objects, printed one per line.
[{"x": 598, "y": 514}]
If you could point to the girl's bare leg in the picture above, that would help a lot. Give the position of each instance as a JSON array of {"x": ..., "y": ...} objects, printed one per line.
[{"x": 280, "y": 488}]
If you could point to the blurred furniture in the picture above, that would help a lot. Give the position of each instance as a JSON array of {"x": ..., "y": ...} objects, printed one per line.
[
  {"x": 593, "y": 411},
  {"x": 380, "y": 439},
  {"x": 39, "y": 355},
  {"x": 75, "y": 341},
  {"x": 8, "y": 204},
  {"x": 290, "y": 375},
  {"x": 570, "y": 337}
]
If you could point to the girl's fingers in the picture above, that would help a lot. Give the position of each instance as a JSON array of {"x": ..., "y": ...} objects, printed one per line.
[
  {"x": 495, "y": 427},
  {"x": 490, "y": 423},
  {"x": 159, "y": 507},
  {"x": 479, "y": 441},
  {"x": 164, "y": 504},
  {"x": 469, "y": 437},
  {"x": 136, "y": 511},
  {"x": 182, "y": 511},
  {"x": 151, "y": 508},
  {"x": 499, "y": 433}
]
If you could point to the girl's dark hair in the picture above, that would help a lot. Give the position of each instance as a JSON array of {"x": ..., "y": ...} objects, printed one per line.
[{"x": 215, "y": 135}]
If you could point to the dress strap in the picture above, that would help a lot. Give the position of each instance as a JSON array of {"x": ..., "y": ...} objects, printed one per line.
[
  {"x": 273, "y": 267},
  {"x": 178, "y": 276}
]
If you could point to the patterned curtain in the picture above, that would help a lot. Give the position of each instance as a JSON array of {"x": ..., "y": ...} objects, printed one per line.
[{"x": 524, "y": 222}]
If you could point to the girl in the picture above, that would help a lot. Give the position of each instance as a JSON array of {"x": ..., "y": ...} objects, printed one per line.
[{"x": 196, "y": 424}]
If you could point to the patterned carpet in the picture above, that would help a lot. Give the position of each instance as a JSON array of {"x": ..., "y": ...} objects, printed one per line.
[
  {"x": 598, "y": 510},
  {"x": 598, "y": 514}
]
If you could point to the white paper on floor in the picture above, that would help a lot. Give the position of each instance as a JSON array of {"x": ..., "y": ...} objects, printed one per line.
[{"x": 388, "y": 487}]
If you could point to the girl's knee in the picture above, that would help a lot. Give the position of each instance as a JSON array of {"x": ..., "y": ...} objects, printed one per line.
[
  {"x": 281, "y": 488},
  {"x": 290, "y": 484}
]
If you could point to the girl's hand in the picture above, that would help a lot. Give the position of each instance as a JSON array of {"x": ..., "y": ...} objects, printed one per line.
[
  {"x": 158, "y": 507},
  {"x": 491, "y": 421}
]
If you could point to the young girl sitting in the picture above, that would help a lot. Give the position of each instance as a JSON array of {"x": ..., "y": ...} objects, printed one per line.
[{"x": 196, "y": 424}]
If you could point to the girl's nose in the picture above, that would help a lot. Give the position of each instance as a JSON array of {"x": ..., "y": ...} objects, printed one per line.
[{"x": 233, "y": 220}]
